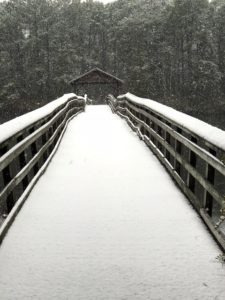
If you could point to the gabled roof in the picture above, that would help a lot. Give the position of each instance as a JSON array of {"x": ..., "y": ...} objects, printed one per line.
[{"x": 96, "y": 75}]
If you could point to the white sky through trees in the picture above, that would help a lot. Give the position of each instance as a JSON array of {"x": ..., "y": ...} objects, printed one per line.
[
  {"x": 107, "y": 1},
  {"x": 103, "y": 1}
]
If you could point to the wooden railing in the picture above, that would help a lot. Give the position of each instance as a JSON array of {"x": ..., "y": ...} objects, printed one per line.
[
  {"x": 196, "y": 164},
  {"x": 25, "y": 154}
]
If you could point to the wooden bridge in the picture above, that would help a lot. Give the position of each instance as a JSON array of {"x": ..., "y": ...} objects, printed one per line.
[{"x": 105, "y": 220}]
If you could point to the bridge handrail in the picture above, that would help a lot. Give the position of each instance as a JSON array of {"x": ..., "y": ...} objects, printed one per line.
[
  {"x": 193, "y": 161},
  {"x": 211, "y": 136},
  {"x": 29, "y": 148},
  {"x": 16, "y": 126}
]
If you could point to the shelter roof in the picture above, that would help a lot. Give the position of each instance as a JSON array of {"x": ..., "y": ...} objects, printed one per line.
[{"x": 96, "y": 75}]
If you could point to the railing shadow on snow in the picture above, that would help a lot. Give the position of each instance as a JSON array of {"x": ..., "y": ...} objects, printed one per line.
[
  {"x": 192, "y": 157},
  {"x": 27, "y": 145}
]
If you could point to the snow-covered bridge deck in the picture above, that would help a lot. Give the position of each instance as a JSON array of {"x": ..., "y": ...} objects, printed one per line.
[{"x": 107, "y": 222}]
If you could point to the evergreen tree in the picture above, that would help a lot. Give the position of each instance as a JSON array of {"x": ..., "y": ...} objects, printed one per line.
[{"x": 169, "y": 50}]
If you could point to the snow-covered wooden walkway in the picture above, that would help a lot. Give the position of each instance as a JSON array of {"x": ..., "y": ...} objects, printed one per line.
[{"x": 106, "y": 222}]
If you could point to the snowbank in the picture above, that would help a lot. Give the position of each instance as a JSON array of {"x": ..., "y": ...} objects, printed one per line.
[
  {"x": 13, "y": 126},
  {"x": 206, "y": 131}
]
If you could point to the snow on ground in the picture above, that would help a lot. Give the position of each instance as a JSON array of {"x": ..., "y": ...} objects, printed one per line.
[
  {"x": 208, "y": 132},
  {"x": 13, "y": 126},
  {"x": 107, "y": 222}
]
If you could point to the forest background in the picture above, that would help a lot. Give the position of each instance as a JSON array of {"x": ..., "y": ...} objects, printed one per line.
[{"x": 172, "y": 51}]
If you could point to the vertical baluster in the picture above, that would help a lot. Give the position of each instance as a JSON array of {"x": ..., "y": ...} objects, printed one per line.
[
  {"x": 178, "y": 149},
  {"x": 193, "y": 163},
  {"x": 3, "y": 150},
  {"x": 44, "y": 140},
  {"x": 124, "y": 105},
  {"x": 10, "y": 197},
  {"x": 7, "y": 174},
  {"x": 143, "y": 130},
  {"x": 50, "y": 133},
  {"x": 210, "y": 176},
  {"x": 22, "y": 163},
  {"x": 33, "y": 148},
  {"x": 153, "y": 126},
  {"x": 159, "y": 131},
  {"x": 148, "y": 122},
  {"x": 168, "y": 140},
  {"x": 2, "y": 202},
  {"x": 57, "y": 124}
]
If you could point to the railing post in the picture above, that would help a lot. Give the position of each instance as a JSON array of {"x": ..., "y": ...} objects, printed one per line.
[
  {"x": 168, "y": 140},
  {"x": 160, "y": 133},
  {"x": 22, "y": 160},
  {"x": 210, "y": 176},
  {"x": 152, "y": 125},
  {"x": 193, "y": 163},
  {"x": 44, "y": 140},
  {"x": 34, "y": 150},
  {"x": 2, "y": 203},
  {"x": 7, "y": 177},
  {"x": 178, "y": 149}
]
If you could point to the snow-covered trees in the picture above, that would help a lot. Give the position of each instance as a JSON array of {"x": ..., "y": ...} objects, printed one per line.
[{"x": 168, "y": 49}]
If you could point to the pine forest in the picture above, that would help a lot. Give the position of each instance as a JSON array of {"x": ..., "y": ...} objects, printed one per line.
[{"x": 169, "y": 51}]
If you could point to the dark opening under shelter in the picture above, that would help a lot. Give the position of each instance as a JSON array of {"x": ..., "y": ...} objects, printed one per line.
[{"x": 97, "y": 84}]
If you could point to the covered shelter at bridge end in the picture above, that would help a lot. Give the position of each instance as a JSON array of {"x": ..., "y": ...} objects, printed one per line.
[{"x": 97, "y": 84}]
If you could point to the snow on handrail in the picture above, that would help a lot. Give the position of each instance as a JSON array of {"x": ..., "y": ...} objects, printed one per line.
[
  {"x": 27, "y": 145},
  {"x": 184, "y": 145},
  {"x": 12, "y": 127},
  {"x": 212, "y": 134}
]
